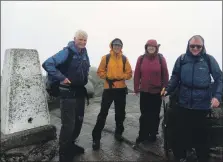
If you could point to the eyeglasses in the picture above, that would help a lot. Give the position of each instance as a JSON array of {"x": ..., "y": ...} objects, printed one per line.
[{"x": 194, "y": 45}]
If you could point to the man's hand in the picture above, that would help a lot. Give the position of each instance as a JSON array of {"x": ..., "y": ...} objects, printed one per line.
[
  {"x": 215, "y": 103},
  {"x": 66, "y": 81}
]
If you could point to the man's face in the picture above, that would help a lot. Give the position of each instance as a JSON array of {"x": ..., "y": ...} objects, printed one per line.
[
  {"x": 80, "y": 42},
  {"x": 195, "y": 46},
  {"x": 116, "y": 48}
]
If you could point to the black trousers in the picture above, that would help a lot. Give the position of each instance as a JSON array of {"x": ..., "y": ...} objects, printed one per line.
[
  {"x": 191, "y": 132},
  {"x": 108, "y": 96},
  {"x": 150, "y": 109},
  {"x": 72, "y": 114}
]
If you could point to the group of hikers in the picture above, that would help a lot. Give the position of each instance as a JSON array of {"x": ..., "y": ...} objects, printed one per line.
[{"x": 68, "y": 72}]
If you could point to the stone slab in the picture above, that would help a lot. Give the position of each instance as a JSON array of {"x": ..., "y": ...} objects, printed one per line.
[{"x": 28, "y": 137}]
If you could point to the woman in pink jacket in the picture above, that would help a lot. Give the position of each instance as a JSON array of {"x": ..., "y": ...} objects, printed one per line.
[{"x": 150, "y": 77}]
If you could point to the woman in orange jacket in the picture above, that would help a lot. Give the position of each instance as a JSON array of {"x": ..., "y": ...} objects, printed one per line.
[{"x": 114, "y": 69}]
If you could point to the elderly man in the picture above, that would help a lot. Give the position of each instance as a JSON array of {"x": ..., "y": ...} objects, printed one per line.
[
  {"x": 192, "y": 74},
  {"x": 68, "y": 75}
]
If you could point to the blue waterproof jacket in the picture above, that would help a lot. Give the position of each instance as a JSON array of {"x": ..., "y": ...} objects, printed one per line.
[
  {"x": 78, "y": 67},
  {"x": 193, "y": 77}
]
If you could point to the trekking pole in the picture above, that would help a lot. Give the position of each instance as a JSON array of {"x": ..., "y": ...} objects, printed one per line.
[
  {"x": 165, "y": 123},
  {"x": 163, "y": 97}
]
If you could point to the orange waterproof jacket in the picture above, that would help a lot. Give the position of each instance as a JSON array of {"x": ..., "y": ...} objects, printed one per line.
[{"x": 114, "y": 70}]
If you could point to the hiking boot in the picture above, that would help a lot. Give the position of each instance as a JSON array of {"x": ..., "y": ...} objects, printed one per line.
[
  {"x": 118, "y": 137},
  {"x": 96, "y": 145},
  {"x": 78, "y": 149}
]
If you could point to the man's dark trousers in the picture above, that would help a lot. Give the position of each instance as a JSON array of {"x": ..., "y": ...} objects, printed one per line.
[
  {"x": 191, "y": 131},
  {"x": 72, "y": 114}
]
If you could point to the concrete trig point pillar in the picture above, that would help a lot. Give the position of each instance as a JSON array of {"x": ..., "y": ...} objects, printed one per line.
[{"x": 23, "y": 100}]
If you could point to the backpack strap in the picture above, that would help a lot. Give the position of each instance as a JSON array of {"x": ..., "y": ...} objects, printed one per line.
[
  {"x": 207, "y": 59},
  {"x": 182, "y": 58},
  {"x": 107, "y": 60},
  {"x": 140, "y": 65},
  {"x": 141, "y": 59},
  {"x": 123, "y": 61},
  {"x": 68, "y": 61}
]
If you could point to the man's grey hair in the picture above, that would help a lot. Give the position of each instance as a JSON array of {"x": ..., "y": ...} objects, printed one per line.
[
  {"x": 81, "y": 33},
  {"x": 197, "y": 37}
]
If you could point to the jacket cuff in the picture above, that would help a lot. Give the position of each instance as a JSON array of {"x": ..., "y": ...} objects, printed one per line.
[
  {"x": 219, "y": 97},
  {"x": 61, "y": 78}
]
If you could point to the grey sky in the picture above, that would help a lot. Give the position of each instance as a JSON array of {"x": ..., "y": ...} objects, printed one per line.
[{"x": 48, "y": 26}]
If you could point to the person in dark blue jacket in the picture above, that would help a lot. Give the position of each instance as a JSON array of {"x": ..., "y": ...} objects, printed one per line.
[
  {"x": 69, "y": 70},
  {"x": 192, "y": 75}
]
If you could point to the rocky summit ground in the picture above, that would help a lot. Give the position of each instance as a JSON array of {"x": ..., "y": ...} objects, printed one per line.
[{"x": 111, "y": 150}]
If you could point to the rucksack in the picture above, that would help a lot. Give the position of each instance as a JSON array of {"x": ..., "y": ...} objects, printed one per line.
[
  {"x": 123, "y": 61},
  {"x": 160, "y": 61},
  {"x": 52, "y": 88},
  {"x": 173, "y": 97}
]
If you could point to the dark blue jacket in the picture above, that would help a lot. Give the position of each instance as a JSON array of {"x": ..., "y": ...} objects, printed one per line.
[
  {"x": 54, "y": 73},
  {"x": 192, "y": 75}
]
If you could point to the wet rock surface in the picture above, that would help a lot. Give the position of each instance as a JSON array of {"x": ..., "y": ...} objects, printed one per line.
[
  {"x": 111, "y": 150},
  {"x": 36, "y": 153},
  {"x": 37, "y": 144},
  {"x": 131, "y": 125},
  {"x": 44, "y": 152},
  {"x": 144, "y": 152}
]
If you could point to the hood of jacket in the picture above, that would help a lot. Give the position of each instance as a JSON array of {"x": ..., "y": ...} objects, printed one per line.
[
  {"x": 154, "y": 43},
  {"x": 111, "y": 50}
]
